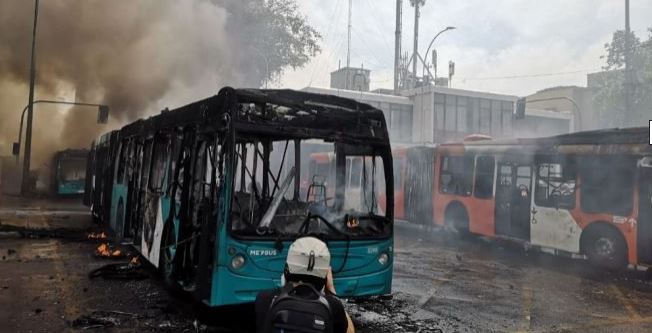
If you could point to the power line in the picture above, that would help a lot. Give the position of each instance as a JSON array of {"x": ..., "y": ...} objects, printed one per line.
[{"x": 523, "y": 76}]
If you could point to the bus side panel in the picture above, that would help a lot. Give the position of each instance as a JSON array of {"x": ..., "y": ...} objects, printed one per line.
[
  {"x": 481, "y": 212},
  {"x": 118, "y": 206}
]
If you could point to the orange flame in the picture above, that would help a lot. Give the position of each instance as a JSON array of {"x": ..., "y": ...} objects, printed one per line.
[
  {"x": 135, "y": 261},
  {"x": 104, "y": 250},
  {"x": 97, "y": 235}
]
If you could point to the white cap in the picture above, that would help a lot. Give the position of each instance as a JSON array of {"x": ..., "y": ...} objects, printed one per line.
[{"x": 309, "y": 256}]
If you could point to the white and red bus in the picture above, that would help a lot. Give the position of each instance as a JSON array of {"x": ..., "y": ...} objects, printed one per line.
[{"x": 587, "y": 193}]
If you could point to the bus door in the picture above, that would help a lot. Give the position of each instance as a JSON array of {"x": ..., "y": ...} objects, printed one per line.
[
  {"x": 513, "y": 197},
  {"x": 552, "y": 224},
  {"x": 644, "y": 224},
  {"x": 153, "y": 218}
]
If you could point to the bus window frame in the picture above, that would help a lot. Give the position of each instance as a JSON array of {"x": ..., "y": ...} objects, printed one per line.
[
  {"x": 491, "y": 178},
  {"x": 632, "y": 186},
  {"x": 443, "y": 171},
  {"x": 569, "y": 172}
]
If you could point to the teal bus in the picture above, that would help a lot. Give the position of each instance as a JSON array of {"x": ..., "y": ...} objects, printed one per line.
[
  {"x": 69, "y": 172},
  {"x": 214, "y": 192}
]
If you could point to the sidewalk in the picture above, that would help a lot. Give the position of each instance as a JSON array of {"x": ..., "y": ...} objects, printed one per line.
[{"x": 19, "y": 213}]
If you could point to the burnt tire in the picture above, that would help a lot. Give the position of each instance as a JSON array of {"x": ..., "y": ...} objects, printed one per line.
[
  {"x": 606, "y": 248},
  {"x": 456, "y": 219}
]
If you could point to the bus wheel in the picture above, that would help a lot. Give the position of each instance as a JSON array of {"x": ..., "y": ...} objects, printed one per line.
[
  {"x": 167, "y": 253},
  {"x": 457, "y": 219},
  {"x": 606, "y": 248}
]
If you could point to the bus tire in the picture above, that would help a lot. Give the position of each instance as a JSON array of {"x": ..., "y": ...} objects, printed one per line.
[
  {"x": 456, "y": 219},
  {"x": 605, "y": 247}
]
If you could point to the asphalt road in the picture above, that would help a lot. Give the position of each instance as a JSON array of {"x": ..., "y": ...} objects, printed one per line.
[{"x": 441, "y": 284}]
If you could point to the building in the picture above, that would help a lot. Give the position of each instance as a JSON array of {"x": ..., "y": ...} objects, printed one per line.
[
  {"x": 570, "y": 99},
  {"x": 538, "y": 123},
  {"x": 446, "y": 114},
  {"x": 397, "y": 110},
  {"x": 350, "y": 78},
  {"x": 435, "y": 114}
]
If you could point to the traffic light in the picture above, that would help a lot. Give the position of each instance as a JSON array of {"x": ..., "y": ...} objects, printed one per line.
[
  {"x": 103, "y": 114},
  {"x": 520, "y": 108}
]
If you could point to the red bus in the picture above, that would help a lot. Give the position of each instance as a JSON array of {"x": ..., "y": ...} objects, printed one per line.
[{"x": 587, "y": 193}]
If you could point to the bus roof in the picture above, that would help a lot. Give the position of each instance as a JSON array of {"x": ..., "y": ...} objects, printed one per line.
[
  {"x": 280, "y": 114},
  {"x": 629, "y": 140}
]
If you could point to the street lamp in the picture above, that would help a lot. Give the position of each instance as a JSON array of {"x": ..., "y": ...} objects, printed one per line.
[{"x": 433, "y": 41}]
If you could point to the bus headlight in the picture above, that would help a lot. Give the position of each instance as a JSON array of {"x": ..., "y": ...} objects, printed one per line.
[
  {"x": 237, "y": 262},
  {"x": 383, "y": 259}
]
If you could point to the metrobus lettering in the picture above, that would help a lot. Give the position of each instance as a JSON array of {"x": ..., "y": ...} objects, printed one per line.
[{"x": 262, "y": 252}]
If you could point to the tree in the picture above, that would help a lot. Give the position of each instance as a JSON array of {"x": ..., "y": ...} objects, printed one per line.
[
  {"x": 610, "y": 84},
  {"x": 271, "y": 35}
]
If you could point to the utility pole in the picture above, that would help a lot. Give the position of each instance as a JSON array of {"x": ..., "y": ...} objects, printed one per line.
[
  {"x": 397, "y": 44},
  {"x": 348, "y": 49},
  {"x": 30, "y": 107},
  {"x": 628, "y": 68},
  {"x": 415, "y": 52}
]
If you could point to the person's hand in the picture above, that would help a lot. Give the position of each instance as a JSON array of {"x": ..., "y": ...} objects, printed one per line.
[{"x": 330, "y": 286}]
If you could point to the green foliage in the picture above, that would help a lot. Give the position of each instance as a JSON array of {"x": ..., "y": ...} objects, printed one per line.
[
  {"x": 610, "y": 98},
  {"x": 271, "y": 36}
]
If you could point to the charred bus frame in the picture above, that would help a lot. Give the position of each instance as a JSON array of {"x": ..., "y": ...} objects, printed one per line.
[{"x": 186, "y": 189}]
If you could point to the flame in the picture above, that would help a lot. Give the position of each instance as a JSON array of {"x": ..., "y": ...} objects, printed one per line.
[
  {"x": 135, "y": 261},
  {"x": 104, "y": 250},
  {"x": 97, "y": 235}
]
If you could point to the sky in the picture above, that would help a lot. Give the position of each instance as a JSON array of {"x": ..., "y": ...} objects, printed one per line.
[{"x": 503, "y": 46}]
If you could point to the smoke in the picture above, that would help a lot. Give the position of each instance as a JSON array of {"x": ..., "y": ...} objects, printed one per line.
[{"x": 135, "y": 56}]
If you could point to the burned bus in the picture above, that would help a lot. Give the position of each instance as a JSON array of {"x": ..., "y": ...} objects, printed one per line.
[
  {"x": 586, "y": 193},
  {"x": 69, "y": 172},
  {"x": 211, "y": 193}
]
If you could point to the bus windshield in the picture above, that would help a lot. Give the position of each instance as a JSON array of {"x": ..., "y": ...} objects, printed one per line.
[{"x": 318, "y": 189}]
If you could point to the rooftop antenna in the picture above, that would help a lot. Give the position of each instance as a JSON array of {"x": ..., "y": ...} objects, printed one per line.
[
  {"x": 397, "y": 44},
  {"x": 348, "y": 48},
  {"x": 415, "y": 53}
]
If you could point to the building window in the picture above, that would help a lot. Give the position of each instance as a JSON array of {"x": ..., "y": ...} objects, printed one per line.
[
  {"x": 508, "y": 110},
  {"x": 439, "y": 111},
  {"x": 401, "y": 124},
  {"x": 450, "y": 113},
  {"x": 462, "y": 114},
  {"x": 485, "y": 116},
  {"x": 496, "y": 119}
]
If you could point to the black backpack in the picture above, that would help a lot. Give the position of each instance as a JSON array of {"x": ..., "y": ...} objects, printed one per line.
[{"x": 299, "y": 308}]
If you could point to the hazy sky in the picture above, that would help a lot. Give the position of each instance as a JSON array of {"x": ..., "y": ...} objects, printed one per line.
[{"x": 557, "y": 42}]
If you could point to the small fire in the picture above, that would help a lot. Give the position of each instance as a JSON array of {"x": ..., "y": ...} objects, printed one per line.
[
  {"x": 135, "y": 261},
  {"x": 104, "y": 250},
  {"x": 97, "y": 235}
]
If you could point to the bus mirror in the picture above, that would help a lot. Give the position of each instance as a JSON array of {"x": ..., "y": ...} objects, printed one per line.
[{"x": 645, "y": 162}]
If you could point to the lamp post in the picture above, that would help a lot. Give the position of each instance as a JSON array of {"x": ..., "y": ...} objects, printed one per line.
[
  {"x": 433, "y": 41},
  {"x": 30, "y": 104},
  {"x": 103, "y": 114}
]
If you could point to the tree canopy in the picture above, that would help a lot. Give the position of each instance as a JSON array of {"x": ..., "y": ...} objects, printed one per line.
[
  {"x": 610, "y": 95},
  {"x": 271, "y": 35}
]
